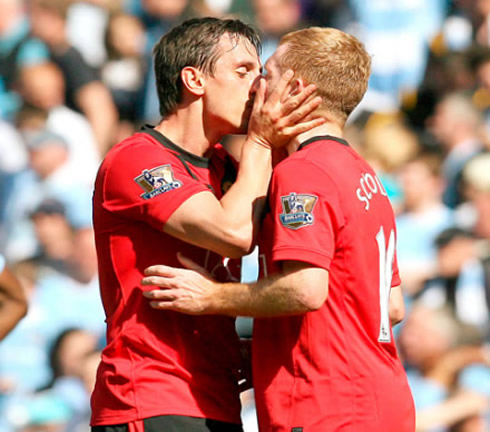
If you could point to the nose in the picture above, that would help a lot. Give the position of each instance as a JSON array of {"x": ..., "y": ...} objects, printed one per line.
[{"x": 255, "y": 84}]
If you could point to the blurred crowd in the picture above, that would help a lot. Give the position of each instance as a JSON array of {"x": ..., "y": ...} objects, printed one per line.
[{"x": 76, "y": 77}]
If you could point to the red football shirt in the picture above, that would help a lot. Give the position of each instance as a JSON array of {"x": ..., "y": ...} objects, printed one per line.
[
  {"x": 157, "y": 362},
  {"x": 335, "y": 368}
]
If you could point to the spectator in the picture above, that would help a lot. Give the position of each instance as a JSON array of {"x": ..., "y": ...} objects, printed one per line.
[
  {"x": 123, "y": 73},
  {"x": 397, "y": 34},
  {"x": 43, "y": 88},
  {"x": 84, "y": 91},
  {"x": 460, "y": 281},
  {"x": 434, "y": 356},
  {"x": 13, "y": 160},
  {"x": 49, "y": 177},
  {"x": 456, "y": 125},
  {"x": 476, "y": 185},
  {"x": 17, "y": 49},
  {"x": 423, "y": 216},
  {"x": 275, "y": 18}
]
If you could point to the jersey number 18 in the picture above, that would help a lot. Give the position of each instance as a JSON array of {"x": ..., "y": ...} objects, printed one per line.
[{"x": 386, "y": 255}]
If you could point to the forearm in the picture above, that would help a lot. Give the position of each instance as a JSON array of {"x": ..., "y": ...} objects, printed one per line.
[
  {"x": 451, "y": 411},
  {"x": 244, "y": 202},
  {"x": 279, "y": 295},
  {"x": 13, "y": 302},
  {"x": 96, "y": 103},
  {"x": 445, "y": 371}
]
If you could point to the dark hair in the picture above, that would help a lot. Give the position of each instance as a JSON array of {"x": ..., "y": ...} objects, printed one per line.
[
  {"x": 192, "y": 43},
  {"x": 447, "y": 235}
]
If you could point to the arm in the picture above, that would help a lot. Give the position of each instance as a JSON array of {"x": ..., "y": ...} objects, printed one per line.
[
  {"x": 397, "y": 305},
  {"x": 462, "y": 405},
  {"x": 13, "y": 302},
  {"x": 300, "y": 288},
  {"x": 455, "y": 360},
  {"x": 228, "y": 226},
  {"x": 97, "y": 105}
]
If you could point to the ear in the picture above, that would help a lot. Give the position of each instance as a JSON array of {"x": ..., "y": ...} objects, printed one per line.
[
  {"x": 296, "y": 86},
  {"x": 193, "y": 80}
]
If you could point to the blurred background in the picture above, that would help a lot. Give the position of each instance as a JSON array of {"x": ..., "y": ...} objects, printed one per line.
[{"x": 76, "y": 77}]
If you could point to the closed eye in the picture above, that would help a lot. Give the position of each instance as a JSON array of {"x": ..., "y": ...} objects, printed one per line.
[{"x": 243, "y": 71}]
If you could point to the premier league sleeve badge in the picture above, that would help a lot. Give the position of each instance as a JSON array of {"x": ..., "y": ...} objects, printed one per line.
[
  {"x": 297, "y": 210},
  {"x": 156, "y": 181}
]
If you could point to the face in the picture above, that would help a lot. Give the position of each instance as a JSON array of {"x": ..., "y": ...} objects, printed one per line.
[
  {"x": 273, "y": 68},
  {"x": 418, "y": 184},
  {"x": 229, "y": 92},
  {"x": 43, "y": 86},
  {"x": 421, "y": 341},
  {"x": 44, "y": 23}
]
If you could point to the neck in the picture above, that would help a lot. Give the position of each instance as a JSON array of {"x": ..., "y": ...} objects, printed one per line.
[
  {"x": 185, "y": 128},
  {"x": 333, "y": 129}
]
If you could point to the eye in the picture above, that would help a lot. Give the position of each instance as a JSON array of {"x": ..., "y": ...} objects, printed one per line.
[{"x": 242, "y": 71}]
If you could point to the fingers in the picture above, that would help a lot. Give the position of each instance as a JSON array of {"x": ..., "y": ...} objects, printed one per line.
[
  {"x": 160, "y": 270},
  {"x": 260, "y": 94},
  {"x": 162, "y": 299},
  {"x": 299, "y": 100},
  {"x": 160, "y": 281},
  {"x": 160, "y": 295},
  {"x": 302, "y": 112},
  {"x": 303, "y": 127}
]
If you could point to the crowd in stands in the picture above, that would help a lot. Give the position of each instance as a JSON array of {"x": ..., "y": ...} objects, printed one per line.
[{"x": 76, "y": 77}]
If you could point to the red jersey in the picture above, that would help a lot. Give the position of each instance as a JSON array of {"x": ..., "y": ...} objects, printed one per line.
[
  {"x": 157, "y": 362},
  {"x": 334, "y": 369}
]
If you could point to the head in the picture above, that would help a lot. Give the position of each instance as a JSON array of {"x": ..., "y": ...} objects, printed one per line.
[
  {"x": 48, "y": 19},
  {"x": 47, "y": 152},
  {"x": 334, "y": 61},
  {"x": 455, "y": 119},
  {"x": 476, "y": 180},
  {"x": 124, "y": 36},
  {"x": 212, "y": 60},
  {"x": 53, "y": 229},
  {"x": 427, "y": 335},
  {"x": 277, "y": 17},
  {"x": 455, "y": 247},
  {"x": 421, "y": 181},
  {"x": 382, "y": 128},
  {"x": 69, "y": 351},
  {"x": 43, "y": 85},
  {"x": 166, "y": 9},
  {"x": 10, "y": 12}
]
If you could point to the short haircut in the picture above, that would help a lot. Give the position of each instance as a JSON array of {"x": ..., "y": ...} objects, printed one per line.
[
  {"x": 192, "y": 43},
  {"x": 336, "y": 62},
  {"x": 58, "y": 7}
]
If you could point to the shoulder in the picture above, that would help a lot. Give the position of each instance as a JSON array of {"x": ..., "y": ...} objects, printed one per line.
[{"x": 137, "y": 150}]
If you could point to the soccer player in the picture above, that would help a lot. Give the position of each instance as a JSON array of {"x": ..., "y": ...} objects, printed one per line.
[
  {"x": 160, "y": 192},
  {"x": 324, "y": 358}
]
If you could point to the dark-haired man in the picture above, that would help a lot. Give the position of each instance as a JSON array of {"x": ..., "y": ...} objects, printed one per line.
[{"x": 160, "y": 192}]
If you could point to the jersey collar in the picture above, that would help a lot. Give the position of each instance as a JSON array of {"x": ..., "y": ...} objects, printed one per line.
[
  {"x": 193, "y": 159},
  {"x": 323, "y": 138}
]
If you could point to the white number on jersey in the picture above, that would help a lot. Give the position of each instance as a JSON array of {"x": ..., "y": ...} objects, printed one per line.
[{"x": 386, "y": 255}]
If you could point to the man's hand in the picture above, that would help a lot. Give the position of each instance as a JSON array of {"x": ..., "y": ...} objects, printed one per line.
[
  {"x": 280, "y": 117},
  {"x": 188, "y": 291}
]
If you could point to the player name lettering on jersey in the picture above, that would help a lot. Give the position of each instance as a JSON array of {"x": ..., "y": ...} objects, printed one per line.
[{"x": 370, "y": 185}]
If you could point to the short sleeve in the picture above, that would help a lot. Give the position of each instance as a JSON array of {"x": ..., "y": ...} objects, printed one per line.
[
  {"x": 306, "y": 214},
  {"x": 33, "y": 51},
  {"x": 146, "y": 185}
]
